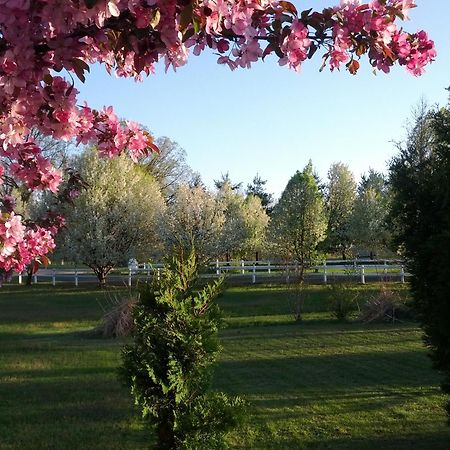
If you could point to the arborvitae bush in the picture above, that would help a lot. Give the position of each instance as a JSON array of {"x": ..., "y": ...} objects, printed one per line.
[{"x": 168, "y": 366}]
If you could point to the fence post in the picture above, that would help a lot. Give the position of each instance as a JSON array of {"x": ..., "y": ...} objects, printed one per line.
[
  {"x": 385, "y": 267},
  {"x": 325, "y": 272},
  {"x": 402, "y": 274},
  {"x": 217, "y": 267},
  {"x": 20, "y": 278},
  {"x": 148, "y": 270},
  {"x": 363, "y": 276},
  {"x": 268, "y": 266},
  {"x": 54, "y": 277},
  {"x": 35, "y": 278},
  {"x": 129, "y": 277},
  {"x": 242, "y": 265},
  {"x": 76, "y": 277},
  {"x": 254, "y": 274}
]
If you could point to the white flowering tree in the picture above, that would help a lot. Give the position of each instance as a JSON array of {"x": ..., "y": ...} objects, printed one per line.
[
  {"x": 194, "y": 219},
  {"x": 367, "y": 225},
  {"x": 256, "y": 221},
  {"x": 114, "y": 219},
  {"x": 339, "y": 201}
]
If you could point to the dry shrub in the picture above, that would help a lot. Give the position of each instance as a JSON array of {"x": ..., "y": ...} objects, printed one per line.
[
  {"x": 386, "y": 305},
  {"x": 118, "y": 318}
]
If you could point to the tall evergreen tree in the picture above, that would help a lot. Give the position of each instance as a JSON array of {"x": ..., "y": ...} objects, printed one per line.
[
  {"x": 258, "y": 188},
  {"x": 420, "y": 180},
  {"x": 224, "y": 180}
]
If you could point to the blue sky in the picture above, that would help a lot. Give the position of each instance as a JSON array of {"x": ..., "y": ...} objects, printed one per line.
[{"x": 271, "y": 120}]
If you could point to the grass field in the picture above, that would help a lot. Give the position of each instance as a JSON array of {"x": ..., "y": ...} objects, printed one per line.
[{"x": 319, "y": 384}]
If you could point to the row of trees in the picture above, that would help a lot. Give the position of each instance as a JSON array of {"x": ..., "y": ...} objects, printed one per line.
[
  {"x": 149, "y": 210},
  {"x": 159, "y": 206},
  {"x": 336, "y": 218}
]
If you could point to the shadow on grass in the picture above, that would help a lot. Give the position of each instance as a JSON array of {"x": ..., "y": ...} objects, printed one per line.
[
  {"x": 319, "y": 328},
  {"x": 337, "y": 371},
  {"x": 82, "y": 407},
  {"x": 421, "y": 441}
]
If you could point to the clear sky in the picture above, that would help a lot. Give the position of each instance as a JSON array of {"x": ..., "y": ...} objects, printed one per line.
[{"x": 271, "y": 120}]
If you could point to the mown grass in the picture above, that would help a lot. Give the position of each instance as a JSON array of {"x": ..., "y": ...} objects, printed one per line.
[{"x": 317, "y": 384}]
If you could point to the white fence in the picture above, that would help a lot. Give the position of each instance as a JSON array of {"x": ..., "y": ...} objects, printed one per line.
[{"x": 330, "y": 270}]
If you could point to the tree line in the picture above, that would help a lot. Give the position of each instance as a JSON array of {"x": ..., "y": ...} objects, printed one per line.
[{"x": 159, "y": 206}]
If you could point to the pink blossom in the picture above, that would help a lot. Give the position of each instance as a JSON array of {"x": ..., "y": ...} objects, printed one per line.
[{"x": 295, "y": 46}]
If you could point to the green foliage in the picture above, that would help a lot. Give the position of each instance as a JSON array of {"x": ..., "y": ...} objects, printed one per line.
[
  {"x": 367, "y": 224},
  {"x": 343, "y": 300},
  {"x": 169, "y": 364},
  {"x": 420, "y": 179},
  {"x": 329, "y": 385}
]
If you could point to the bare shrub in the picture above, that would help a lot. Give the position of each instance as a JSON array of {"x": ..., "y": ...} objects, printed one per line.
[
  {"x": 118, "y": 318},
  {"x": 386, "y": 306},
  {"x": 296, "y": 293}
]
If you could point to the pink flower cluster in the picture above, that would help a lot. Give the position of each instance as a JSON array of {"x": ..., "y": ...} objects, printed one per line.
[
  {"x": 30, "y": 167},
  {"x": 296, "y": 46},
  {"x": 129, "y": 37},
  {"x": 19, "y": 245},
  {"x": 114, "y": 137},
  {"x": 371, "y": 28}
]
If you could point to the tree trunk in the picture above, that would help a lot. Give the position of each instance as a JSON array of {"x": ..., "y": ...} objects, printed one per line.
[
  {"x": 101, "y": 273},
  {"x": 301, "y": 270},
  {"x": 257, "y": 255},
  {"x": 166, "y": 439},
  {"x": 29, "y": 275},
  {"x": 101, "y": 279}
]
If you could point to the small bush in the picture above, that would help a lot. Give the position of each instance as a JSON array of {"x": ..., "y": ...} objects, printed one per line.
[
  {"x": 343, "y": 300},
  {"x": 386, "y": 305}
]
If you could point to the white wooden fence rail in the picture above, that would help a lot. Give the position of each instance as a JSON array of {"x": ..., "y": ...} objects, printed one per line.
[{"x": 357, "y": 269}]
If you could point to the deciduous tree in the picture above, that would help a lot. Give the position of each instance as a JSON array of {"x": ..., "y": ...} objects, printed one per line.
[
  {"x": 168, "y": 167},
  {"x": 367, "y": 224},
  {"x": 114, "y": 219},
  {"x": 340, "y": 199},
  {"x": 298, "y": 222},
  {"x": 194, "y": 219}
]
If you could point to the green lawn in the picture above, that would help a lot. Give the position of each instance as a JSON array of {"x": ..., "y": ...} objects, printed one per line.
[{"x": 318, "y": 384}]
